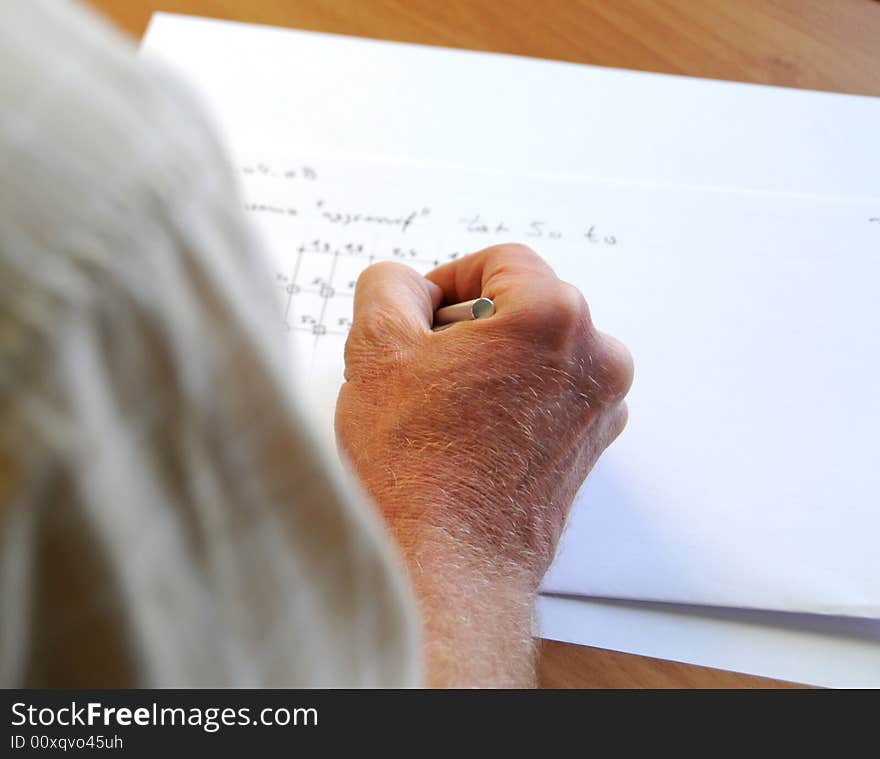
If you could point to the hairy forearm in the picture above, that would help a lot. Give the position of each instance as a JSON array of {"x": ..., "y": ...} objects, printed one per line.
[{"x": 477, "y": 619}]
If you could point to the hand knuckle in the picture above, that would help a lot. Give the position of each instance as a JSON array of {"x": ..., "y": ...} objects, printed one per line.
[
  {"x": 615, "y": 419},
  {"x": 564, "y": 312},
  {"x": 517, "y": 249},
  {"x": 379, "y": 272},
  {"x": 516, "y": 254},
  {"x": 613, "y": 366}
]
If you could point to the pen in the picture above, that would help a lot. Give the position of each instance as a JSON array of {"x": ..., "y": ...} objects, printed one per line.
[{"x": 481, "y": 308}]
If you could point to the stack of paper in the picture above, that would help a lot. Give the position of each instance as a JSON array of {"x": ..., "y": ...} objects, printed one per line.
[{"x": 728, "y": 233}]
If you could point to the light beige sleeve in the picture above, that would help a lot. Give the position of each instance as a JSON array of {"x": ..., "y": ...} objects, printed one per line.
[{"x": 166, "y": 516}]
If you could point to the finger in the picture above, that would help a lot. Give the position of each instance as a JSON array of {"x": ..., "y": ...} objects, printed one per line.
[
  {"x": 489, "y": 273},
  {"x": 396, "y": 293}
]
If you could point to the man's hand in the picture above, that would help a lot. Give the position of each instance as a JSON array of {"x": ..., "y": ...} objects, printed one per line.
[{"x": 474, "y": 440}]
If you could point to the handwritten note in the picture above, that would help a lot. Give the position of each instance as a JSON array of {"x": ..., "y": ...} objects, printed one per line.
[
  {"x": 749, "y": 472},
  {"x": 324, "y": 228}
]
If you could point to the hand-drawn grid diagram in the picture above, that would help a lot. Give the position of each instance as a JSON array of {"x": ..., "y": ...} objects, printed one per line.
[
  {"x": 318, "y": 287},
  {"x": 321, "y": 248}
]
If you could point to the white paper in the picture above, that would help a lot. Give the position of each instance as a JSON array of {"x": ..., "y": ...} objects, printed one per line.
[
  {"x": 302, "y": 91},
  {"x": 748, "y": 474},
  {"x": 832, "y": 652},
  {"x": 309, "y": 92}
]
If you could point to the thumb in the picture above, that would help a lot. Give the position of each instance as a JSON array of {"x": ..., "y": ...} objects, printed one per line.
[{"x": 393, "y": 294}]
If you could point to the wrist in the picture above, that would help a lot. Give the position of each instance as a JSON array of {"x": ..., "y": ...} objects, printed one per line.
[{"x": 476, "y": 614}]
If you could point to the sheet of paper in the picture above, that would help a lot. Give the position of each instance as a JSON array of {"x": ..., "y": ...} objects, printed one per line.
[
  {"x": 316, "y": 92},
  {"x": 832, "y": 652},
  {"x": 304, "y": 91},
  {"x": 748, "y": 474}
]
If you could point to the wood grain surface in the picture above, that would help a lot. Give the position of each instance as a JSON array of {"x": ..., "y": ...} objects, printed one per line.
[{"x": 815, "y": 44}]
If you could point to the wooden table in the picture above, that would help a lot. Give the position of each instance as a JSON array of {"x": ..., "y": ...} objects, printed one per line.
[{"x": 816, "y": 44}]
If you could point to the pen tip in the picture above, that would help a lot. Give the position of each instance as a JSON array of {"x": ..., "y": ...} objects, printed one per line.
[{"x": 482, "y": 308}]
